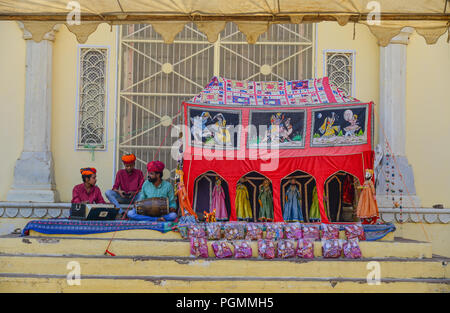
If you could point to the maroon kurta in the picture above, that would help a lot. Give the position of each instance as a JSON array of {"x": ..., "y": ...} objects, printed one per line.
[
  {"x": 80, "y": 194},
  {"x": 128, "y": 182}
]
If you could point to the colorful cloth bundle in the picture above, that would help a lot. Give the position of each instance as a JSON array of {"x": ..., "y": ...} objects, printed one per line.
[
  {"x": 266, "y": 248},
  {"x": 222, "y": 249},
  {"x": 329, "y": 231},
  {"x": 199, "y": 247},
  {"x": 354, "y": 231},
  {"x": 196, "y": 231},
  {"x": 305, "y": 249},
  {"x": 293, "y": 231},
  {"x": 311, "y": 232},
  {"x": 286, "y": 248},
  {"x": 234, "y": 231},
  {"x": 332, "y": 248},
  {"x": 351, "y": 249},
  {"x": 214, "y": 231},
  {"x": 275, "y": 231},
  {"x": 242, "y": 249},
  {"x": 254, "y": 231}
]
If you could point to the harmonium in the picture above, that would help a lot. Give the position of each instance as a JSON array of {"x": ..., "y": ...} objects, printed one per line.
[{"x": 101, "y": 211}]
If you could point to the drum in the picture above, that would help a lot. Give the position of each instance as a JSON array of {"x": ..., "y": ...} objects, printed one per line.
[{"x": 155, "y": 207}]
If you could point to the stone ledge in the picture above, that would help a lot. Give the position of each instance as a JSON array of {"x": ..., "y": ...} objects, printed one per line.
[
  {"x": 412, "y": 215},
  {"x": 35, "y": 210}
]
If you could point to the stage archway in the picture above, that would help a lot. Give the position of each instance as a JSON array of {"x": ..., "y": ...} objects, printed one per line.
[
  {"x": 203, "y": 189},
  {"x": 341, "y": 196},
  {"x": 253, "y": 181},
  {"x": 305, "y": 183}
]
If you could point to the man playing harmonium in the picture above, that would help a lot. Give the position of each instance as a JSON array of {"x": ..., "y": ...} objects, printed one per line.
[
  {"x": 87, "y": 192},
  {"x": 156, "y": 193},
  {"x": 127, "y": 184}
]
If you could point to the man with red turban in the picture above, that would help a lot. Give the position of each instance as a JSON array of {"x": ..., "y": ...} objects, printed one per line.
[
  {"x": 155, "y": 187},
  {"x": 87, "y": 192},
  {"x": 127, "y": 184}
]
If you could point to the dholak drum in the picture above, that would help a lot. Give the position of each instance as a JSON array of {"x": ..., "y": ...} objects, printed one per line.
[{"x": 155, "y": 207}]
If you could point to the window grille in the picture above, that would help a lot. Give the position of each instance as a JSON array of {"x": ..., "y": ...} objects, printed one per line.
[
  {"x": 92, "y": 99},
  {"x": 155, "y": 78},
  {"x": 339, "y": 69}
]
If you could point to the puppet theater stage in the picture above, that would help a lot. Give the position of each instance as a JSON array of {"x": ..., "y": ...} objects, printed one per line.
[{"x": 322, "y": 134}]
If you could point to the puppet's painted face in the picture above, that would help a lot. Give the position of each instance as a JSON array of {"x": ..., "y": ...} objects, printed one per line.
[
  {"x": 266, "y": 183},
  {"x": 368, "y": 175}
]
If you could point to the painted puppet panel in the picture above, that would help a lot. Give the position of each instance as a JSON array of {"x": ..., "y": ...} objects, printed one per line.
[
  {"x": 214, "y": 128},
  {"x": 285, "y": 129},
  {"x": 339, "y": 126}
]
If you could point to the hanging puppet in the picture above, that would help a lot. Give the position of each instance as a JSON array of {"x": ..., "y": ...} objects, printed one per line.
[
  {"x": 218, "y": 201},
  {"x": 242, "y": 203},
  {"x": 292, "y": 207},
  {"x": 314, "y": 210},
  {"x": 265, "y": 199},
  {"x": 367, "y": 209},
  {"x": 348, "y": 190}
]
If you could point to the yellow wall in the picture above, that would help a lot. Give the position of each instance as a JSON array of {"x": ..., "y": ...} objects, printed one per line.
[
  {"x": 12, "y": 101},
  {"x": 68, "y": 161},
  {"x": 428, "y": 77},
  {"x": 331, "y": 36},
  {"x": 427, "y": 113}
]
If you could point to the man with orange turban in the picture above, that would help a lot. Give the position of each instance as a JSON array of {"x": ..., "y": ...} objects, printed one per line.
[
  {"x": 127, "y": 184},
  {"x": 155, "y": 187},
  {"x": 87, "y": 192}
]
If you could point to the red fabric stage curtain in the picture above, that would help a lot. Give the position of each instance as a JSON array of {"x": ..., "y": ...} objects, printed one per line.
[
  {"x": 319, "y": 167},
  {"x": 319, "y": 160}
]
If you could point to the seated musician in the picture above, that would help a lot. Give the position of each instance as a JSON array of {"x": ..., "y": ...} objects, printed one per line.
[
  {"x": 155, "y": 187},
  {"x": 127, "y": 184},
  {"x": 87, "y": 192}
]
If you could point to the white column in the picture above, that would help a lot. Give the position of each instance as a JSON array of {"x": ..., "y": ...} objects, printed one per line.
[
  {"x": 392, "y": 124},
  {"x": 33, "y": 173}
]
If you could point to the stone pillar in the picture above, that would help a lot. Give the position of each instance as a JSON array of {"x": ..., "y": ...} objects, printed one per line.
[
  {"x": 392, "y": 125},
  {"x": 33, "y": 173}
]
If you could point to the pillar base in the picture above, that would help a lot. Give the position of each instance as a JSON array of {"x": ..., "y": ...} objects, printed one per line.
[{"x": 33, "y": 179}]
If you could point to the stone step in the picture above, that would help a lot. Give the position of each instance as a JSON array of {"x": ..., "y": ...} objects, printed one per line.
[
  {"x": 152, "y": 234},
  {"x": 181, "y": 248},
  {"x": 435, "y": 268},
  {"x": 27, "y": 283}
]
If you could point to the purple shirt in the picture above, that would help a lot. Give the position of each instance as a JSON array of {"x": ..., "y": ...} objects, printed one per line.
[
  {"x": 80, "y": 194},
  {"x": 128, "y": 182}
]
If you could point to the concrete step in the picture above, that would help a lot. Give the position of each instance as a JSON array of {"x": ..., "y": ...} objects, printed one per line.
[
  {"x": 181, "y": 248},
  {"x": 152, "y": 234},
  {"x": 435, "y": 268},
  {"x": 58, "y": 283}
]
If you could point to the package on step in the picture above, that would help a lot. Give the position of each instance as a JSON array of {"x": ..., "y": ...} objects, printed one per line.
[
  {"x": 354, "y": 231},
  {"x": 332, "y": 248},
  {"x": 199, "y": 247},
  {"x": 311, "y": 232},
  {"x": 234, "y": 231},
  {"x": 286, "y": 248},
  {"x": 293, "y": 231},
  {"x": 266, "y": 248},
  {"x": 329, "y": 231},
  {"x": 196, "y": 231},
  {"x": 351, "y": 249},
  {"x": 242, "y": 249},
  {"x": 222, "y": 249},
  {"x": 214, "y": 231},
  {"x": 275, "y": 231},
  {"x": 305, "y": 249},
  {"x": 254, "y": 231}
]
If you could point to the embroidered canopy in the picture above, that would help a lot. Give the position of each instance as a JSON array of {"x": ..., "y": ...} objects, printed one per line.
[
  {"x": 429, "y": 18},
  {"x": 275, "y": 129}
]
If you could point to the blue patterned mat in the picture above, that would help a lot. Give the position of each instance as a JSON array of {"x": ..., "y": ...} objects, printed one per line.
[{"x": 83, "y": 227}]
